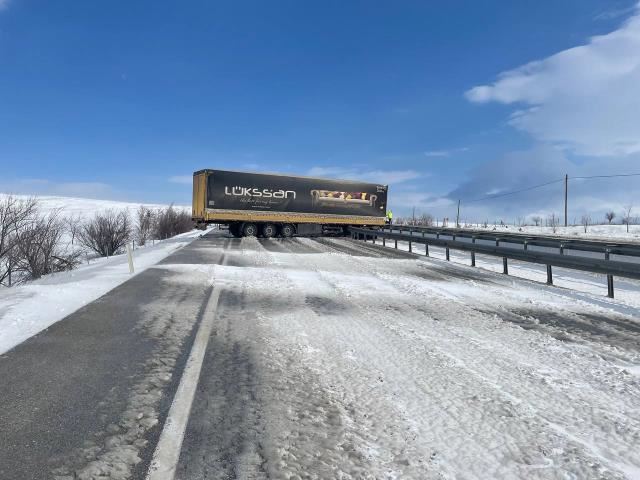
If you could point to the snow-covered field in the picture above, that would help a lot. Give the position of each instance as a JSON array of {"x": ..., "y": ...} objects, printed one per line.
[
  {"x": 27, "y": 309},
  {"x": 370, "y": 364},
  {"x": 596, "y": 232}
]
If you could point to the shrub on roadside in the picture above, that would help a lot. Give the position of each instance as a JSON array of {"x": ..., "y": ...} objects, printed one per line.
[
  {"x": 107, "y": 233},
  {"x": 144, "y": 224},
  {"x": 39, "y": 250},
  {"x": 170, "y": 222}
]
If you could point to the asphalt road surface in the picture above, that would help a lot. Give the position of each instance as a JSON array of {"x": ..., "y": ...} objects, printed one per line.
[{"x": 328, "y": 359}]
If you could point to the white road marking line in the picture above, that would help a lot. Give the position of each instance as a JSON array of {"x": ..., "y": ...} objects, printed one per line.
[{"x": 165, "y": 458}]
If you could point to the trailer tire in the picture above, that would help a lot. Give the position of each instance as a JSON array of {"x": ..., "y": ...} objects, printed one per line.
[
  {"x": 287, "y": 230},
  {"x": 269, "y": 230},
  {"x": 250, "y": 230}
]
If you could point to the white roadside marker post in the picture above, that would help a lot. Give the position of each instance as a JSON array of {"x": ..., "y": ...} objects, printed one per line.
[{"x": 130, "y": 258}]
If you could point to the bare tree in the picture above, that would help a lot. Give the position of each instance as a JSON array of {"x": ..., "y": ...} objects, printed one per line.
[
  {"x": 626, "y": 215},
  {"x": 106, "y": 233},
  {"x": 14, "y": 215},
  {"x": 609, "y": 216},
  {"x": 73, "y": 224},
  {"x": 586, "y": 221},
  {"x": 170, "y": 222},
  {"x": 144, "y": 224},
  {"x": 537, "y": 220},
  {"x": 426, "y": 220},
  {"x": 553, "y": 221}
]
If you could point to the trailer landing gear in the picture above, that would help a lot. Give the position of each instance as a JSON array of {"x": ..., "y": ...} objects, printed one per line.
[{"x": 234, "y": 229}]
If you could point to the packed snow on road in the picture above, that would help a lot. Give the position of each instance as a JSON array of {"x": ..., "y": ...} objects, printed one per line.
[{"x": 336, "y": 359}]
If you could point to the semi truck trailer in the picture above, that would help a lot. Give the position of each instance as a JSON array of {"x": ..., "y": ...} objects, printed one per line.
[{"x": 270, "y": 205}]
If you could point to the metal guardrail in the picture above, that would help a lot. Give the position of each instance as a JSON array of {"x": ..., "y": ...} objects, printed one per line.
[
  {"x": 605, "y": 266},
  {"x": 551, "y": 241}
]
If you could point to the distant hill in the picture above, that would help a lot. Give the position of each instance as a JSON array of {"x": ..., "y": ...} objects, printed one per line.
[{"x": 87, "y": 207}]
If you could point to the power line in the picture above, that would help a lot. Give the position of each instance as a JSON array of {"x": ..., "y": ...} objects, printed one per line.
[
  {"x": 499, "y": 195},
  {"x": 609, "y": 176}
]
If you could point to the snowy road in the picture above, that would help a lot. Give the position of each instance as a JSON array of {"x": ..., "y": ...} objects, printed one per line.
[{"x": 331, "y": 358}]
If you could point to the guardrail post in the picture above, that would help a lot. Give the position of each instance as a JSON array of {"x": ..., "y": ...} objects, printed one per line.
[
  {"x": 473, "y": 254},
  {"x": 411, "y": 235},
  {"x": 384, "y": 244},
  {"x": 396, "y": 244},
  {"x": 610, "y": 286},
  {"x": 426, "y": 249},
  {"x": 373, "y": 239},
  {"x": 549, "y": 275},
  {"x": 447, "y": 252},
  {"x": 607, "y": 253},
  {"x": 505, "y": 264},
  {"x": 562, "y": 249}
]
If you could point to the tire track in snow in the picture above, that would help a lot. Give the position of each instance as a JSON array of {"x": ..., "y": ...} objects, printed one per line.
[{"x": 601, "y": 428}]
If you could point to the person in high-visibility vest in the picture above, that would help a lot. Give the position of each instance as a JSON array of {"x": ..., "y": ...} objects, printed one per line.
[{"x": 389, "y": 217}]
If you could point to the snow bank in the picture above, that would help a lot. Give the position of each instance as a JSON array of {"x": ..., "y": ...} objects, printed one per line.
[{"x": 28, "y": 309}]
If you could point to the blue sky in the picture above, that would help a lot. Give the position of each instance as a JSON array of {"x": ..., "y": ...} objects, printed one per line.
[{"x": 124, "y": 100}]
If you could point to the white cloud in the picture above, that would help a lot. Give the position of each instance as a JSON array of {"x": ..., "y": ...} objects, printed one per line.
[
  {"x": 405, "y": 200},
  {"x": 437, "y": 153},
  {"x": 585, "y": 99},
  {"x": 615, "y": 13},
  {"x": 182, "y": 179},
  {"x": 444, "y": 153},
  {"x": 3, "y": 4},
  {"x": 374, "y": 176}
]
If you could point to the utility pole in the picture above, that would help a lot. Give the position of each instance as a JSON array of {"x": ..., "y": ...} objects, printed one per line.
[
  {"x": 413, "y": 216},
  {"x": 566, "y": 196},
  {"x": 458, "y": 216}
]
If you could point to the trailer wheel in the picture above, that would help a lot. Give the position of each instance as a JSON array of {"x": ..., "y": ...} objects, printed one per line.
[
  {"x": 250, "y": 230},
  {"x": 287, "y": 230},
  {"x": 269, "y": 230}
]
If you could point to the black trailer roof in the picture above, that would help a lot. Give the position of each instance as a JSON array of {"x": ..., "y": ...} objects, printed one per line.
[{"x": 211, "y": 170}]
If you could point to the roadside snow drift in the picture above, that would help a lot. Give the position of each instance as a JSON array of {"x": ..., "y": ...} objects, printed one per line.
[{"x": 27, "y": 309}]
